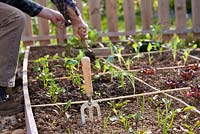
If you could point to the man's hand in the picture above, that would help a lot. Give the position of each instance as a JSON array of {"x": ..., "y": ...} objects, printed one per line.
[
  {"x": 80, "y": 28},
  {"x": 53, "y": 15}
]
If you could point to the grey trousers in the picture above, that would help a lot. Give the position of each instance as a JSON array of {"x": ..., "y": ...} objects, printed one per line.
[{"x": 12, "y": 22}]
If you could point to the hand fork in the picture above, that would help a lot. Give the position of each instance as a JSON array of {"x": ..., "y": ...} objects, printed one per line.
[{"x": 86, "y": 67}]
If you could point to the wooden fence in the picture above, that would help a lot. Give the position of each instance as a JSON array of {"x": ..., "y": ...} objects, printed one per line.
[{"x": 111, "y": 7}]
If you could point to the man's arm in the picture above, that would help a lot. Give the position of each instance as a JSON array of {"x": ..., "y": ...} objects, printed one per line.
[
  {"x": 27, "y": 6},
  {"x": 68, "y": 9},
  {"x": 72, "y": 16}
]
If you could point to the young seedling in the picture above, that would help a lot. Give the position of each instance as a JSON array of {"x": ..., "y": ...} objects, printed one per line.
[
  {"x": 149, "y": 48},
  {"x": 125, "y": 121},
  {"x": 68, "y": 131},
  {"x": 76, "y": 79},
  {"x": 130, "y": 76},
  {"x": 108, "y": 68},
  {"x": 119, "y": 56},
  {"x": 45, "y": 75},
  {"x": 78, "y": 58},
  {"x": 191, "y": 129},
  {"x": 128, "y": 64},
  {"x": 166, "y": 117},
  {"x": 160, "y": 50},
  {"x": 173, "y": 45},
  {"x": 42, "y": 66},
  {"x": 73, "y": 42},
  {"x": 116, "y": 52},
  {"x": 113, "y": 48},
  {"x": 54, "y": 90},
  {"x": 105, "y": 124},
  {"x": 137, "y": 118},
  {"x": 136, "y": 47},
  {"x": 65, "y": 108},
  {"x": 121, "y": 76},
  {"x": 97, "y": 64},
  {"x": 187, "y": 52},
  {"x": 116, "y": 106},
  {"x": 70, "y": 64}
]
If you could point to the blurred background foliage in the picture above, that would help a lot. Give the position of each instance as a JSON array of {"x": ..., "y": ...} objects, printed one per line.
[
  {"x": 121, "y": 24},
  {"x": 120, "y": 14}
]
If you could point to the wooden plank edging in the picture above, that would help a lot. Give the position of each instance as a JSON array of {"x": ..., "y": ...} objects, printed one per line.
[{"x": 30, "y": 121}]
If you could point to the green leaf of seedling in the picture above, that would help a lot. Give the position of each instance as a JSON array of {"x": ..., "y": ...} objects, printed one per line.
[
  {"x": 194, "y": 46},
  {"x": 166, "y": 101},
  {"x": 128, "y": 63},
  {"x": 136, "y": 47},
  {"x": 97, "y": 64},
  {"x": 37, "y": 69},
  {"x": 188, "y": 127},
  {"x": 80, "y": 55},
  {"x": 68, "y": 104},
  {"x": 83, "y": 89},
  {"x": 124, "y": 103},
  {"x": 149, "y": 47},
  {"x": 63, "y": 54},
  {"x": 55, "y": 57},
  {"x": 188, "y": 108},
  {"x": 110, "y": 58},
  {"x": 114, "y": 111},
  {"x": 137, "y": 117},
  {"x": 148, "y": 36}
]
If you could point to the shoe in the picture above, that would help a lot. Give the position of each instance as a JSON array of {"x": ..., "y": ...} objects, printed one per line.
[
  {"x": 11, "y": 107},
  {"x": 8, "y": 104},
  {"x": 3, "y": 95}
]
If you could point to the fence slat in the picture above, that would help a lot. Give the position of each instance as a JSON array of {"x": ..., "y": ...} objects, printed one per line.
[
  {"x": 146, "y": 13},
  {"x": 180, "y": 12},
  {"x": 163, "y": 13},
  {"x": 196, "y": 16},
  {"x": 60, "y": 35},
  {"x": 28, "y": 31},
  {"x": 94, "y": 13},
  {"x": 43, "y": 25},
  {"x": 112, "y": 19},
  {"x": 129, "y": 15},
  {"x": 80, "y": 6}
]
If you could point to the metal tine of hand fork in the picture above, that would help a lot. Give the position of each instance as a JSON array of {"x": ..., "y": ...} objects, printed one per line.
[{"x": 86, "y": 67}]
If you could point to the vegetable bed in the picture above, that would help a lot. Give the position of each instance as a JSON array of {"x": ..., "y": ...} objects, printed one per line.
[{"x": 133, "y": 90}]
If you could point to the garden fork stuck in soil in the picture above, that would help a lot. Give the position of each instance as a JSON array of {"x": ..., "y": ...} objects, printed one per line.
[{"x": 91, "y": 104}]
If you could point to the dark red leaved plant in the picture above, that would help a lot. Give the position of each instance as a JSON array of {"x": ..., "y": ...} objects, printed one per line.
[{"x": 194, "y": 92}]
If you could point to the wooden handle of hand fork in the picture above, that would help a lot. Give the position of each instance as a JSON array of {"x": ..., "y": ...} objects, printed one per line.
[{"x": 86, "y": 67}]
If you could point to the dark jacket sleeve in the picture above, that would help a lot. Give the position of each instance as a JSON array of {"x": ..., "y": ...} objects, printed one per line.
[
  {"x": 62, "y": 7},
  {"x": 29, "y": 7}
]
